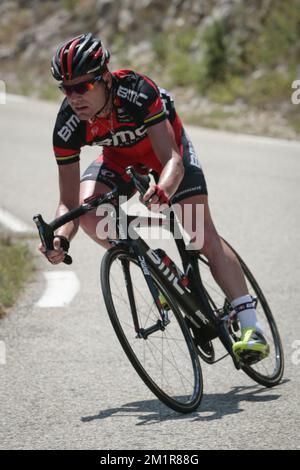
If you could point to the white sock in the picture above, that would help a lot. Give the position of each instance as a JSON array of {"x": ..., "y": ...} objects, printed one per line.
[{"x": 247, "y": 318}]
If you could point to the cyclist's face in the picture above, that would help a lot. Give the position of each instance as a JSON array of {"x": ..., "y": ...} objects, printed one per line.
[{"x": 86, "y": 105}]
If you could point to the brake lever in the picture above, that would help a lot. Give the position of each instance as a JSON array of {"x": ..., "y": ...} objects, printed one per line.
[
  {"x": 141, "y": 182},
  {"x": 46, "y": 234}
]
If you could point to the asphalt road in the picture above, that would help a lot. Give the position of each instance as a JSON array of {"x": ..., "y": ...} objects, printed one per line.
[{"x": 67, "y": 384}]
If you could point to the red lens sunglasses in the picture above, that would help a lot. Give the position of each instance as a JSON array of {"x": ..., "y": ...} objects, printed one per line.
[{"x": 80, "y": 88}]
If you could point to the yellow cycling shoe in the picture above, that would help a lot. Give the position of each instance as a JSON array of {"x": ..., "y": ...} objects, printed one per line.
[{"x": 252, "y": 347}]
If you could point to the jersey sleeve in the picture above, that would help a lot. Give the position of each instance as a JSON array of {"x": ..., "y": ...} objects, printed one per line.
[
  {"x": 67, "y": 136},
  {"x": 141, "y": 97}
]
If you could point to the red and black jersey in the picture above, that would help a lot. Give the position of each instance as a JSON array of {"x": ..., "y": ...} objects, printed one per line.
[{"x": 138, "y": 104}]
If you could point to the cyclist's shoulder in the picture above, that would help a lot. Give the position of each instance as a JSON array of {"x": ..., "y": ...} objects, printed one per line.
[
  {"x": 129, "y": 83},
  {"x": 137, "y": 93},
  {"x": 65, "y": 112},
  {"x": 68, "y": 127}
]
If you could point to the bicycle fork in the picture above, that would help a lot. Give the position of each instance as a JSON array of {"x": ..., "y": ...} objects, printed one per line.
[{"x": 161, "y": 323}]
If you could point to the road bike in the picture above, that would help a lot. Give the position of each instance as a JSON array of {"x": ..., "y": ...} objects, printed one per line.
[{"x": 165, "y": 317}]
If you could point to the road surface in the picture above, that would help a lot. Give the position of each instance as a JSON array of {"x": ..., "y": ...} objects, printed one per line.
[{"x": 66, "y": 383}]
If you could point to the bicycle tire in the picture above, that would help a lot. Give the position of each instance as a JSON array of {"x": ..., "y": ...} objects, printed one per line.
[{"x": 114, "y": 254}]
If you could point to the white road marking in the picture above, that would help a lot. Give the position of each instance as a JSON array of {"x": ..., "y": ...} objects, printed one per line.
[
  {"x": 62, "y": 286},
  {"x": 13, "y": 223},
  {"x": 11, "y": 98}
]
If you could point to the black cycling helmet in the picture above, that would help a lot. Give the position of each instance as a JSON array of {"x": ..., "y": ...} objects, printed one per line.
[{"x": 78, "y": 56}]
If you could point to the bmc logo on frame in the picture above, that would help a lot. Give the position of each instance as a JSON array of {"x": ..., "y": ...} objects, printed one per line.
[{"x": 295, "y": 98}]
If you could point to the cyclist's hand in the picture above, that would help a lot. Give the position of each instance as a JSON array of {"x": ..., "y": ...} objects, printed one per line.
[
  {"x": 156, "y": 198},
  {"x": 55, "y": 256}
]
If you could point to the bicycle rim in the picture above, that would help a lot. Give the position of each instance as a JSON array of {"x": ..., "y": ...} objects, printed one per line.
[{"x": 167, "y": 360}]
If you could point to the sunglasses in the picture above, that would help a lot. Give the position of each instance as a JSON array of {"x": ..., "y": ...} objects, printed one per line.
[{"x": 80, "y": 88}]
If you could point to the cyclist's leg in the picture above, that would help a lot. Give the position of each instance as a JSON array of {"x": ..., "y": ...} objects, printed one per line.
[
  {"x": 228, "y": 274},
  {"x": 224, "y": 265},
  {"x": 192, "y": 197},
  {"x": 89, "y": 222},
  {"x": 98, "y": 178}
]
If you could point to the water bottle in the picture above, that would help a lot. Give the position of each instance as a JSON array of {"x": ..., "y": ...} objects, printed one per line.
[{"x": 172, "y": 266}]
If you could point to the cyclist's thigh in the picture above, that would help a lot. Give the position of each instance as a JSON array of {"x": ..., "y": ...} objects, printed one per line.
[
  {"x": 193, "y": 182},
  {"x": 194, "y": 215},
  {"x": 100, "y": 178},
  {"x": 191, "y": 197}
]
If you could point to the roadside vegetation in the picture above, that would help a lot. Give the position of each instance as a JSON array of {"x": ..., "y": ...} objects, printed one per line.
[
  {"x": 230, "y": 65},
  {"x": 16, "y": 269}
]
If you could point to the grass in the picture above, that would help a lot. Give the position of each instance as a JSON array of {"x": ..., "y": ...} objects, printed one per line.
[
  {"x": 295, "y": 123},
  {"x": 271, "y": 87},
  {"x": 16, "y": 268}
]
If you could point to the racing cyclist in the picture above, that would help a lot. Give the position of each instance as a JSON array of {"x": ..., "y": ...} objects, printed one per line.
[{"x": 136, "y": 123}]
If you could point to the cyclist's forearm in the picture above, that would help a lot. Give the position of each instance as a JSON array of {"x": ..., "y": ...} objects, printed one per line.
[
  {"x": 172, "y": 174},
  {"x": 68, "y": 230}
]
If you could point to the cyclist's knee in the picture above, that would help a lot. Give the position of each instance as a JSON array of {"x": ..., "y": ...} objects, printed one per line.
[
  {"x": 211, "y": 243},
  {"x": 99, "y": 228}
]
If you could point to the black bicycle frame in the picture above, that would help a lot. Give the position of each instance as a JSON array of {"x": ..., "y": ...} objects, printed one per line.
[{"x": 191, "y": 299}]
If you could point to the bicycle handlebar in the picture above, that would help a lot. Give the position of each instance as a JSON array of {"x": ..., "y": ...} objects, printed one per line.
[{"x": 46, "y": 231}]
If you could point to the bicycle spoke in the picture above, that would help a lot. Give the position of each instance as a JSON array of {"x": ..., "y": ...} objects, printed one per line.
[{"x": 170, "y": 362}]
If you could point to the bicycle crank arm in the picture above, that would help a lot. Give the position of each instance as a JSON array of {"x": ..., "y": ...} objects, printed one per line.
[
  {"x": 145, "y": 332},
  {"x": 225, "y": 339}
]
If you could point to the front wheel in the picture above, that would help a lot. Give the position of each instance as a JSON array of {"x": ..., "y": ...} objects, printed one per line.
[
  {"x": 269, "y": 371},
  {"x": 166, "y": 360}
]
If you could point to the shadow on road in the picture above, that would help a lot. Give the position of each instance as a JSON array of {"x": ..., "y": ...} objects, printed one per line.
[{"x": 213, "y": 406}]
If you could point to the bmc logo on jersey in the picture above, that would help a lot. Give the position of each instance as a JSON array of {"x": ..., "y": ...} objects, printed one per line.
[
  {"x": 131, "y": 95},
  {"x": 124, "y": 138},
  {"x": 66, "y": 131}
]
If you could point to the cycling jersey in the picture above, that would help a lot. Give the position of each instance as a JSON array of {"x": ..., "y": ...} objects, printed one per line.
[{"x": 137, "y": 104}]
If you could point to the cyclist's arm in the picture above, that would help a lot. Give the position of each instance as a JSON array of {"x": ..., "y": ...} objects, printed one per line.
[
  {"x": 69, "y": 198},
  {"x": 164, "y": 145},
  {"x": 69, "y": 184}
]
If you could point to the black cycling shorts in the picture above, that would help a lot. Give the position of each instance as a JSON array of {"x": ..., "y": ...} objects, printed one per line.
[{"x": 193, "y": 182}]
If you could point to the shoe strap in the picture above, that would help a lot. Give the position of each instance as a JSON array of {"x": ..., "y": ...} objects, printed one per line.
[{"x": 245, "y": 306}]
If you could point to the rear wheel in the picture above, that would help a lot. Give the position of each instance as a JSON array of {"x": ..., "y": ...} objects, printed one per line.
[
  {"x": 268, "y": 371},
  {"x": 166, "y": 360}
]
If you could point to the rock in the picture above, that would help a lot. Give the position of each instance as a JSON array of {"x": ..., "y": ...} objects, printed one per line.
[{"x": 125, "y": 20}]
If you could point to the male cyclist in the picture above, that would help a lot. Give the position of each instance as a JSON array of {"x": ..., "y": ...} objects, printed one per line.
[{"x": 136, "y": 124}]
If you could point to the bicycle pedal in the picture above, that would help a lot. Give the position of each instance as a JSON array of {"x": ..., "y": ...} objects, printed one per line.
[{"x": 250, "y": 358}]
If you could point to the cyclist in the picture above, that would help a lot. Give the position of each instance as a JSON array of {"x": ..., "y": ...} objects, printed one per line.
[{"x": 136, "y": 123}]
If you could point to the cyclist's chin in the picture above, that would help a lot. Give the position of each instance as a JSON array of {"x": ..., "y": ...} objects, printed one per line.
[{"x": 84, "y": 112}]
